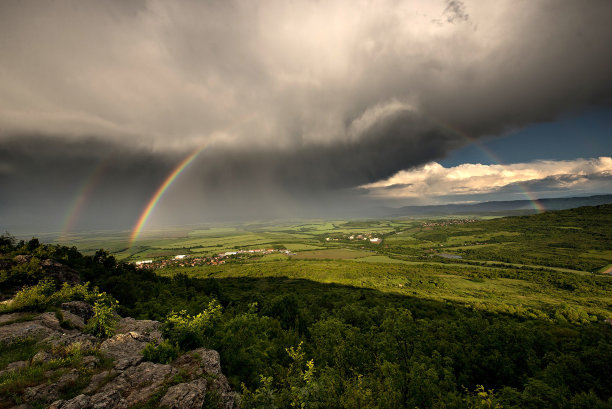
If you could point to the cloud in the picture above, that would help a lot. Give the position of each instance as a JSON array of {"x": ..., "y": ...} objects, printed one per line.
[
  {"x": 181, "y": 74},
  {"x": 297, "y": 102},
  {"x": 434, "y": 180}
]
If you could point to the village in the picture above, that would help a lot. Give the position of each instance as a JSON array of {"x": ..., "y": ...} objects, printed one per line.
[
  {"x": 367, "y": 236},
  {"x": 441, "y": 223},
  {"x": 183, "y": 260}
]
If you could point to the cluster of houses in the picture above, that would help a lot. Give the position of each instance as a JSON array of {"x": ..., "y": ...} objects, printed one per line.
[
  {"x": 183, "y": 260},
  {"x": 367, "y": 236},
  {"x": 448, "y": 222}
]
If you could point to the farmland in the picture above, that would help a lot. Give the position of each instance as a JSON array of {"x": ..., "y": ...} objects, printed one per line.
[{"x": 394, "y": 313}]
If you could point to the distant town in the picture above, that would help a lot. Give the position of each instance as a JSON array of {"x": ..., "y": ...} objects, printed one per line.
[
  {"x": 441, "y": 223},
  {"x": 367, "y": 236},
  {"x": 183, "y": 260}
]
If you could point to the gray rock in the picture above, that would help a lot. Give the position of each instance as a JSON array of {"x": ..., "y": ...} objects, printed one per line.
[
  {"x": 22, "y": 258},
  {"x": 42, "y": 357},
  {"x": 206, "y": 362},
  {"x": 125, "y": 348},
  {"x": 23, "y": 330},
  {"x": 200, "y": 361},
  {"x": 13, "y": 366},
  {"x": 90, "y": 361},
  {"x": 140, "y": 382},
  {"x": 142, "y": 330},
  {"x": 111, "y": 400},
  {"x": 76, "y": 321},
  {"x": 60, "y": 272},
  {"x": 133, "y": 386},
  {"x": 99, "y": 380},
  {"x": 12, "y": 316},
  {"x": 50, "y": 392},
  {"x": 80, "y": 309},
  {"x": 185, "y": 395}
]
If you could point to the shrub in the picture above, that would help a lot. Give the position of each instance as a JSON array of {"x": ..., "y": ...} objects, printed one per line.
[
  {"x": 164, "y": 353},
  {"x": 41, "y": 296},
  {"x": 36, "y": 297},
  {"x": 103, "y": 322},
  {"x": 191, "y": 331}
]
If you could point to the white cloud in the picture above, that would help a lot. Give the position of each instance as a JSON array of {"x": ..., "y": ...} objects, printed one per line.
[{"x": 433, "y": 179}]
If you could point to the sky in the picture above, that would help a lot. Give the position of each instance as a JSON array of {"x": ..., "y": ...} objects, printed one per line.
[{"x": 297, "y": 109}]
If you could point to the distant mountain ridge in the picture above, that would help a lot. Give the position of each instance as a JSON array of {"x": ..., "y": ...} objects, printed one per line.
[{"x": 511, "y": 206}]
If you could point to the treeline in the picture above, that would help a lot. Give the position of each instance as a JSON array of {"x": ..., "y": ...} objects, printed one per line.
[{"x": 296, "y": 343}]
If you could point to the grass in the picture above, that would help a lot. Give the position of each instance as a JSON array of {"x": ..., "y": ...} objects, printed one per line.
[
  {"x": 22, "y": 350},
  {"x": 464, "y": 284},
  {"x": 21, "y": 317},
  {"x": 14, "y": 383},
  {"x": 337, "y": 254}
]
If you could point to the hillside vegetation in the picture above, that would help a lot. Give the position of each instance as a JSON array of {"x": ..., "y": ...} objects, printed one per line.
[{"x": 518, "y": 322}]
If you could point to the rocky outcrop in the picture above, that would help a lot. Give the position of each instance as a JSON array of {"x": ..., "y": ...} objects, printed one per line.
[
  {"x": 59, "y": 272},
  {"x": 130, "y": 381},
  {"x": 185, "y": 395}
]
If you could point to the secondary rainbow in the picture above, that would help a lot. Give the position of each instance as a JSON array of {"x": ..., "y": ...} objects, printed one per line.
[
  {"x": 160, "y": 192},
  {"x": 82, "y": 197}
]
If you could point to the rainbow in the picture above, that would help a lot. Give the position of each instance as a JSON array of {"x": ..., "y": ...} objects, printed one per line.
[
  {"x": 160, "y": 192},
  {"x": 82, "y": 197},
  {"x": 535, "y": 203}
]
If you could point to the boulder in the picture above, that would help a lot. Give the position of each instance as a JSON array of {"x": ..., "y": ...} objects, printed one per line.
[
  {"x": 80, "y": 309},
  {"x": 74, "y": 320},
  {"x": 137, "y": 383},
  {"x": 99, "y": 380},
  {"x": 126, "y": 349},
  {"x": 13, "y": 366},
  {"x": 22, "y": 258},
  {"x": 12, "y": 316},
  {"x": 23, "y": 330},
  {"x": 143, "y": 330},
  {"x": 50, "y": 392},
  {"x": 206, "y": 363},
  {"x": 60, "y": 272},
  {"x": 185, "y": 395},
  {"x": 110, "y": 400}
]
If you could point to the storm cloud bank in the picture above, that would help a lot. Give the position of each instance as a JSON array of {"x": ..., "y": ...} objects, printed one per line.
[{"x": 297, "y": 102}]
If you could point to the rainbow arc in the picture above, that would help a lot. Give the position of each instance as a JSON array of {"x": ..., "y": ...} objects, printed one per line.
[{"x": 142, "y": 220}]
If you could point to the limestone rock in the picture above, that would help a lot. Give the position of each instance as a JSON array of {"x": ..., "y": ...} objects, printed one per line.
[
  {"x": 60, "y": 272},
  {"x": 142, "y": 330},
  {"x": 99, "y": 380},
  {"x": 206, "y": 362},
  {"x": 110, "y": 400},
  {"x": 12, "y": 316},
  {"x": 138, "y": 383},
  {"x": 80, "y": 309},
  {"x": 22, "y": 330},
  {"x": 185, "y": 395},
  {"x": 50, "y": 392},
  {"x": 124, "y": 348},
  {"x": 13, "y": 366},
  {"x": 22, "y": 258},
  {"x": 42, "y": 357}
]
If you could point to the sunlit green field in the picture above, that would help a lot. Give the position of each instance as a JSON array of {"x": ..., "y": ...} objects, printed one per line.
[{"x": 524, "y": 265}]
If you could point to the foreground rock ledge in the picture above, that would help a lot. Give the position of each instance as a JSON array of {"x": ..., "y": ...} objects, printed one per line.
[{"x": 131, "y": 381}]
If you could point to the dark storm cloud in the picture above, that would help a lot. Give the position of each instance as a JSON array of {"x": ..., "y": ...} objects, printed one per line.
[{"x": 295, "y": 101}]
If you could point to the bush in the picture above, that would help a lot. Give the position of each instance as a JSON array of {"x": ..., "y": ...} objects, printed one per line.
[
  {"x": 42, "y": 296},
  {"x": 103, "y": 322},
  {"x": 36, "y": 297},
  {"x": 163, "y": 353},
  {"x": 191, "y": 331}
]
